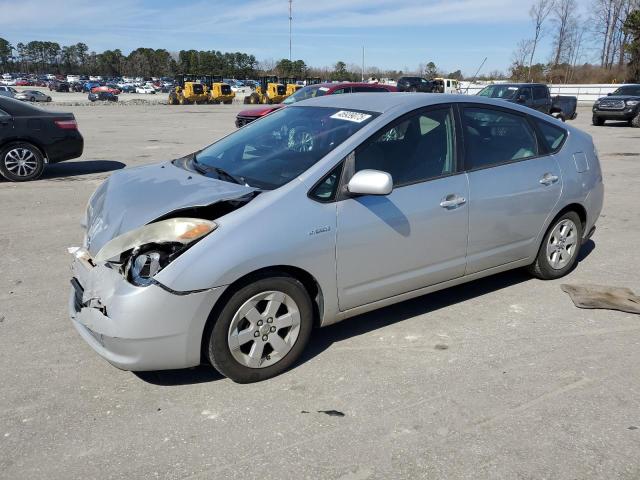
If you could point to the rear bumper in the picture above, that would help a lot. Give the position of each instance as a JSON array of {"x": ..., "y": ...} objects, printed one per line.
[
  {"x": 65, "y": 148},
  {"x": 137, "y": 328}
]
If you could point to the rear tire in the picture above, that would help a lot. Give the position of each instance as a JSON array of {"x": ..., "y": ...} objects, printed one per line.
[
  {"x": 261, "y": 330},
  {"x": 597, "y": 121},
  {"x": 561, "y": 244},
  {"x": 21, "y": 162}
]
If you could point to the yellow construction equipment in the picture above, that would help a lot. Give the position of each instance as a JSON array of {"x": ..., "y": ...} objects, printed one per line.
[
  {"x": 292, "y": 86},
  {"x": 189, "y": 89},
  {"x": 220, "y": 92},
  {"x": 270, "y": 90}
]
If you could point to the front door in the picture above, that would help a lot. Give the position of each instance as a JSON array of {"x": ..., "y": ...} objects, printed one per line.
[{"x": 417, "y": 235}]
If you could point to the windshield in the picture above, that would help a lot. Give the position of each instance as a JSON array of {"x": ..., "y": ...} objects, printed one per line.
[
  {"x": 306, "y": 92},
  {"x": 498, "y": 91},
  {"x": 633, "y": 90},
  {"x": 272, "y": 151}
]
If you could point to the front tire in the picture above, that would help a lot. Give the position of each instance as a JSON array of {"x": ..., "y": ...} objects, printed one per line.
[
  {"x": 262, "y": 329},
  {"x": 558, "y": 253},
  {"x": 21, "y": 162},
  {"x": 597, "y": 121},
  {"x": 635, "y": 121}
]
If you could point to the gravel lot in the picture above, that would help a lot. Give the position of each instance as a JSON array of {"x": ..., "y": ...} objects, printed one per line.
[{"x": 500, "y": 378}]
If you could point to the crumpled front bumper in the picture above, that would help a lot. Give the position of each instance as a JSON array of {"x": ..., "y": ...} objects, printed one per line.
[{"x": 137, "y": 328}]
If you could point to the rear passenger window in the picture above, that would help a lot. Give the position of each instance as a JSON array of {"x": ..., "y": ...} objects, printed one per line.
[
  {"x": 493, "y": 137},
  {"x": 539, "y": 93},
  {"x": 553, "y": 136},
  {"x": 369, "y": 89}
]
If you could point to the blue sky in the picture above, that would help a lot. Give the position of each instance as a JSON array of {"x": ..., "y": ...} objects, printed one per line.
[{"x": 397, "y": 34}]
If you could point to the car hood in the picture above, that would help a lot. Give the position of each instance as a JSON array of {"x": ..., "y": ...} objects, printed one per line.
[
  {"x": 134, "y": 197},
  {"x": 259, "y": 112},
  {"x": 619, "y": 97}
]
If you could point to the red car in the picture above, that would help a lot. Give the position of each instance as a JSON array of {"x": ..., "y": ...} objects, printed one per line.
[
  {"x": 23, "y": 83},
  {"x": 105, "y": 88},
  {"x": 310, "y": 91}
]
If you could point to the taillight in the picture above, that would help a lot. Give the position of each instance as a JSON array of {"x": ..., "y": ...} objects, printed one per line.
[{"x": 66, "y": 124}]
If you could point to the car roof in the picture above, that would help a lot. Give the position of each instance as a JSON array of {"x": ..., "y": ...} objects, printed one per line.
[
  {"x": 403, "y": 102},
  {"x": 518, "y": 85}
]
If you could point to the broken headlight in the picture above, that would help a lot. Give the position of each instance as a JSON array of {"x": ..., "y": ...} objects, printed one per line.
[
  {"x": 143, "y": 267},
  {"x": 146, "y": 250}
]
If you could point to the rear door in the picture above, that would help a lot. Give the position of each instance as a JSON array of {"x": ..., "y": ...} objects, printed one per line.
[{"x": 513, "y": 186}]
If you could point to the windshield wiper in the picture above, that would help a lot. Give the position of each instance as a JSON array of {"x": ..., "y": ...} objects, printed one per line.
[{"x": 203, "y": 168}]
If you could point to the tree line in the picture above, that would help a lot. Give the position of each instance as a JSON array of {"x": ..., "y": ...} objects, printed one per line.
[
  {"x": 602, "y": 47},
  {"x": 50, "y": 57}
]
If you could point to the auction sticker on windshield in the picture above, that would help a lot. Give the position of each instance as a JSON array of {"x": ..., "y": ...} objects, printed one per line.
[{"x": 357, "y": 117}]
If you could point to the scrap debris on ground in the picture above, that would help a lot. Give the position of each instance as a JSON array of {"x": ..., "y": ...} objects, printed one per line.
[{"x": 602, "y": 296}]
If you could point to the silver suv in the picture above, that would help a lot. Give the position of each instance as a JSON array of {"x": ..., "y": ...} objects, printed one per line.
[{"x": 320, "y": 211}]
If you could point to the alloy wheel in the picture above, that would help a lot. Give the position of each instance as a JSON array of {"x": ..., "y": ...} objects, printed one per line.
[
  {"x": 264, "y": 329},
  {"x": 562, "y": 244},
  {"x": 21, "y": 162}
]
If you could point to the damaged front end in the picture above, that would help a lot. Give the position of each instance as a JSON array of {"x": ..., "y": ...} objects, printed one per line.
[{"x": 135, "y": 229}]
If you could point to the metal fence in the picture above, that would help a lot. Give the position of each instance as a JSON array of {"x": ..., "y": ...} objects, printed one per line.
[{"x": 586, "y": 93}]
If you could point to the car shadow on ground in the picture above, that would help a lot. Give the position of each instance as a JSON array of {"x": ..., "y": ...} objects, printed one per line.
[
  {"x": 73, "y": 169},
  {"x": 323, "y": 338}
]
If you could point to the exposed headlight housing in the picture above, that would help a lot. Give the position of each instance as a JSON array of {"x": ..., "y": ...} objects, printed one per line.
[
  {"x": 174, "y": 230},
  {"x": 142, "y": 267},
  {"x": 143, "y": 252}
]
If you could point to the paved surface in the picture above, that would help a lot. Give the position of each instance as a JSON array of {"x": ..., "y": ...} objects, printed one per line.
[{"x": 501, "y": 378}]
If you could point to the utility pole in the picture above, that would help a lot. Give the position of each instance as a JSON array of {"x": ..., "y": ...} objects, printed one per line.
[
  {"x": 362, "y": 76},
  {"x": 290, "y": 19}
]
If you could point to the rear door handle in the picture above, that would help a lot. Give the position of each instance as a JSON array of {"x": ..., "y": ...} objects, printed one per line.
[
  {"x": 548, "y": 179},
  {"x": 452, "y": 201}
]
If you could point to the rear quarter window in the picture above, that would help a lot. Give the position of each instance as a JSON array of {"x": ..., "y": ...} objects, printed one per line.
[{"x": 552, "y": 136}]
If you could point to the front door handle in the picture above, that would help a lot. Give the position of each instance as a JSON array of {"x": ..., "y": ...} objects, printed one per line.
[
  {"x": 548, "y": 179},
  {"x": 452, "y": 201}
]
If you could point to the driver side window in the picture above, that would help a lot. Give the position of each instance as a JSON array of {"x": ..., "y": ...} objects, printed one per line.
[{"x": 419, "y": 147}]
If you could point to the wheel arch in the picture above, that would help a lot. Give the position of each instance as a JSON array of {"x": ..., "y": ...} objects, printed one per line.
[
  {"x": 575, "y": 207},
  {"x": 309, "y": 282}
]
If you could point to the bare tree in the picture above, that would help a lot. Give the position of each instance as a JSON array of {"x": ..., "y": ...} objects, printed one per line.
[
  {"x": 608, "y": 17},
  {"x": 519, "y": 58},
  {"x": 564, "y": 21},
  {"x": 539, "y": 12}
]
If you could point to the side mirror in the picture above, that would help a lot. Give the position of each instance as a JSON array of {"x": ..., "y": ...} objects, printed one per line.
[
  {"x": 522, "y": 99},
  {"x": 609, "y": 94},
  {"x": 370, "y": 182}
]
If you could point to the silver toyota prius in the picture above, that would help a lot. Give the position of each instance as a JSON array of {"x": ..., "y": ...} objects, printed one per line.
[{"x": 321, "y": 211}]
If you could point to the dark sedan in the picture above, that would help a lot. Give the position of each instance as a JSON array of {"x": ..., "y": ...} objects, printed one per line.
[{"x": 31, "y": 137}]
